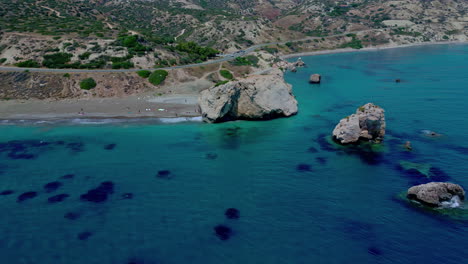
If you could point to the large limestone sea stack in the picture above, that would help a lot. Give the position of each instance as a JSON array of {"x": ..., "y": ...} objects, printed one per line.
[
  {"x": 367, "y": 124},
  {"x": 257, "y": 97}
]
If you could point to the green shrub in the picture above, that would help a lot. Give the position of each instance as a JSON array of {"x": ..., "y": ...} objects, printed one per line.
[
  {"x": 144, "y": 73},
  {"x": 57, "y": 60},
  {"x": 84, "y": 56},
  {"x": 2, "y": 60},
  {"x": 226, "y": 74},
  {"x": 157, "y": 77},
  {"x": 88, "y": 84},
  {"x": 250, "y": 60},
  {"x": 28, "y": 64},
  {"x": 123, "y": 64},
  {"x": 66, "y": 75},
  {"x": 221, "y": 83}
]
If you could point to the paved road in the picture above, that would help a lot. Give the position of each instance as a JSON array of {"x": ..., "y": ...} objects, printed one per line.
[{"x": 228, "y": 57}]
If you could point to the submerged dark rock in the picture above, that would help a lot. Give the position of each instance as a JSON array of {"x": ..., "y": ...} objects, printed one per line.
[
  {"x": 223, "y": 232},
  {"x": 58, "y": 198},
  {"x": 26, "y": 196},
  {"x": 110, "y": 146},
  {"x": 71, "y": 216},
  {"x": 211, "y": 156},
  {"x": 303, "y": 167},
  {"x": 6, "y": 192},
  {"x": 84, "y": 235},
  {"x": 164, "y": 174},
  {"x": 52, "y": 186},
  {"x": 76, "y": 146},
  {"x": 99, "y": 194},
  {"x": 374, "y": 251},
  {"x": 321, "y": 160},
  {"x": 67, "y": 176},
  {"x": 232, "y": 213}
]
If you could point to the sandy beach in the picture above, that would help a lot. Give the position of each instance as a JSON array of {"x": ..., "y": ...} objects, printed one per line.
[{"x": 128, "y": 107}]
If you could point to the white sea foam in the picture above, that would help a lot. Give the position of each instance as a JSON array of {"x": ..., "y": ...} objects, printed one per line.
[
  {"x": 453, "y": 203},
  {"x": 181, "y": 119}
]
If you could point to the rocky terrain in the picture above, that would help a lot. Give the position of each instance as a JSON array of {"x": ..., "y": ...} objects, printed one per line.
[
  {"x": 367, "y": 124},
  {"x": 437, "y": 194},
  {"x": 256, "y": 97},
  {"x": 95, "y": 31}
]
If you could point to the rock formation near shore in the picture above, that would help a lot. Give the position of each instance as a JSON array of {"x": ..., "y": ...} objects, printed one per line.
[
  {"x": 437, "y": 194},
  {"x": 315, "y": 78},
  {"x": 368, "y": 123},
  {"x": 256, "y": 97}
]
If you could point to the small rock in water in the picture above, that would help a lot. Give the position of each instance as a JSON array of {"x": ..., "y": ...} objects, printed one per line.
[
  {"x": 99, "y": 194},
  {"x": 52, "y": 186},
  {"x": 211, "y": 156},
  {"x": 71, "y": 216},
  {"x": 303, "y": 167},
  {"x": 408, "y": 145},
  {"x": 164, "y": 174},
  {"x": 6, "y": 192},
  {"x": 374, "y": 251},
  {"x": 223, "y": 232},
  {"x": 26, "y": 196},
  {"x": 127, "y": 196},
  {"x": 84, "y": 235},
  {"x": 110, "y": 146},
  {"x": 67, "y": 176},
  {"x": 57, "y": 198},
  {"x": 232, "y": 213},
  {"x": 397, "y": 80}
]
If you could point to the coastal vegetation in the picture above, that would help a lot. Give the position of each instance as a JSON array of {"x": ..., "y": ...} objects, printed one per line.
[
  {"x": 28, "y": 64},
  {"x": 157, "y": 77},
  {"x": 226, "y": 74},
  {"x": 250, "y": 60},
  {"x": 88, "y": 84},
  {"x": 144, "y": 73}
]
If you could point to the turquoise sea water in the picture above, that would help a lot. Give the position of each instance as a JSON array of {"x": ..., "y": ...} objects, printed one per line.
[{"x": 301, "y": 200}]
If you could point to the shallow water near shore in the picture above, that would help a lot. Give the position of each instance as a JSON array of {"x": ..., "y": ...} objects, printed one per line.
[{"x": 301, "y": 199}]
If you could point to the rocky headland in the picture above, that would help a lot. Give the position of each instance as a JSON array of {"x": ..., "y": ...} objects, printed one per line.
[{"x": 257, "y": 97}]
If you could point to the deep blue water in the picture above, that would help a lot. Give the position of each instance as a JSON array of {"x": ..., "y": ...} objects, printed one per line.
[{"x": 301, "y": 200}]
